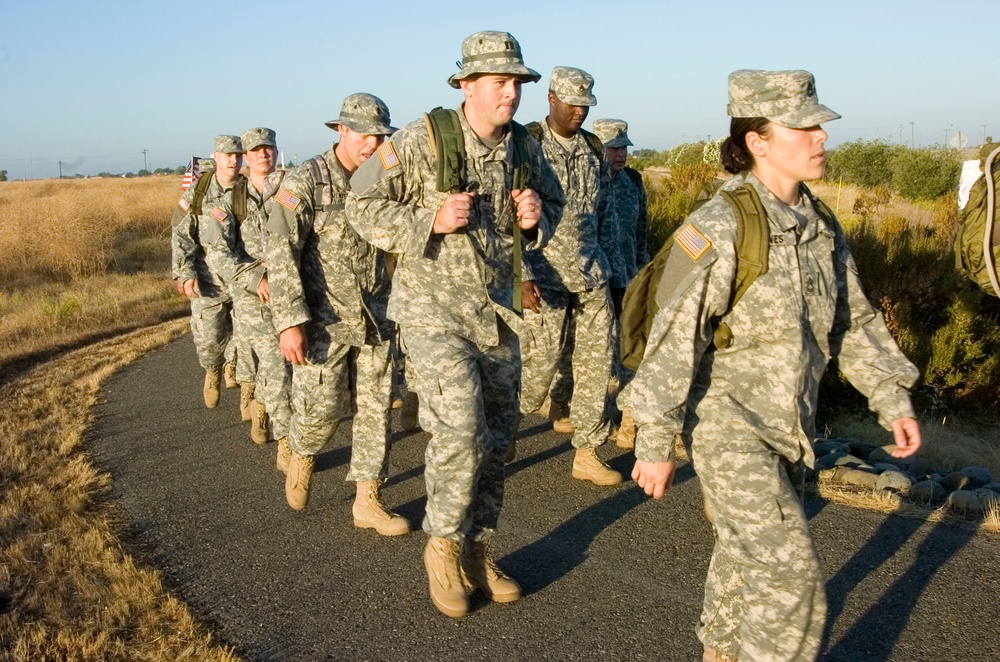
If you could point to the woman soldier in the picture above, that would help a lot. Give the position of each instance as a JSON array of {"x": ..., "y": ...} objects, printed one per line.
[{"x": 749, "y": 402}]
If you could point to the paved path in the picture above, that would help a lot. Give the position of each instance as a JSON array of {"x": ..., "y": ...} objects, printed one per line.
[{"x": 608, "y": 574}]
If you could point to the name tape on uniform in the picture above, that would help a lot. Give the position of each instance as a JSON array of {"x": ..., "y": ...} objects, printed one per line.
[
  {"x": 288, "y": 200},
  {"x": 693, "y": 242},
  {"x": 387, "y": 153}
]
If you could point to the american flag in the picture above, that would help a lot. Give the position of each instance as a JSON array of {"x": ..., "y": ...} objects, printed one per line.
[{"x": 190, "y": 174}]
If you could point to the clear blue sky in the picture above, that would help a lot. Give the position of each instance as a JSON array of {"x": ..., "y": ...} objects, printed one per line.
[{"x": 95, "y": 83}]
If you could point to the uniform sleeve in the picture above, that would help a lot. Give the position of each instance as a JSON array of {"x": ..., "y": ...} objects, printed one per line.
[
  {"x": 387, "y": 209},
  {"x": 288, "y": 227},
  {"x": 183, "y": 240},
  {"x": 224, "y": 252},
  {"x": 866, "y": 352},
  {"x": 544, "y": 182},
  {"x": 690, "y": 293},
  {"x": 642, "y": 228}
]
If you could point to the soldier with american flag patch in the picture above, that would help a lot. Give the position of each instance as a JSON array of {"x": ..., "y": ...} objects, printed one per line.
[{"x": 329, "y": 289}]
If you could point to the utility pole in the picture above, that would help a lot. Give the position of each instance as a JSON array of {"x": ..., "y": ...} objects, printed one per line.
[
  {"x": 913, "y": 145},
  {"x": 60, "y": 170},
  {"x": 144, "y": 165},
  {"x": 900, "y": 134},
  {"x": 945, "y": 139},
  {"x": 31, "y": 171}
]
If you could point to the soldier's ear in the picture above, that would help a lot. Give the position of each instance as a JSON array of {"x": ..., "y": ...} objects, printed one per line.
[{"x": 756, "y": 144}]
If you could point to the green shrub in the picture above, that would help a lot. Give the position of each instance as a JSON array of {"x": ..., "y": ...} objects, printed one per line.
[
  {"x": 925, "y": 173},
  {"x": 670, "y": 199},
  {"x": 865, "y": 163}
]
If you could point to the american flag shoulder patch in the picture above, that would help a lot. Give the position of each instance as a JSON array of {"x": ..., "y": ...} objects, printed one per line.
[
  {"x": 184, "y": 204},
  {"x": 219, "y": 214},
  {"x": 286, "y": 199},
  {"x": 693, "y": 242},
  {"x": 387, "y": 153}
]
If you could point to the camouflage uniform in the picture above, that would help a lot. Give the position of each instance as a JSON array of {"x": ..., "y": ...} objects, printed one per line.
[
  {"x": 326, "y": 277},
  {"x": 453, "y": 296},
  {"x": 753, "y": 404},
  {"x": 572, "y": 272},
  {"x": 211, "y": 320}
]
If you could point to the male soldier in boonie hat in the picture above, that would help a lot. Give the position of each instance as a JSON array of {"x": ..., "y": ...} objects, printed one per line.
[
  {"x": 211, "y": 303},
  {"x": 453, "y": 297},
  {"x": 566, "y": 284},
  {"x": 787, "y": 98},
  {"x": 329, "y": 291}
]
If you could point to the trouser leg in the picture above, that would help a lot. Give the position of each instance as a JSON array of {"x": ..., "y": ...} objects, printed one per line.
[
  {"x": 541, "y": 347},
  {"x": 593, "y": 319},
  {"x": 370, "y": 432},
  {"x": 211, "y": 327},
  {"x": 322, "y": 394}
]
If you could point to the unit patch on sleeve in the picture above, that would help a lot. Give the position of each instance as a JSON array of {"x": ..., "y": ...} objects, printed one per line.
[
  {"x": 219, "y": 215},
  {"x": 288, "y": 200},
  {"x": 387, "y": 153},
  {"x": 693, "y": 242}
]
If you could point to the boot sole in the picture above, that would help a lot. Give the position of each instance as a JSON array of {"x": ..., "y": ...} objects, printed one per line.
[
  {"x": 596, "y": 481},
  {"x": 448, "y": 611},
  {"x": 563, "y": 428},
  {"x": 362, "y": 524}
]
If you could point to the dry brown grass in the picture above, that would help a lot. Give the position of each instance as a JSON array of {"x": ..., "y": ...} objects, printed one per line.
[
  {"x": 68, "y": 591},
  {"x": 83, "y": 259}
]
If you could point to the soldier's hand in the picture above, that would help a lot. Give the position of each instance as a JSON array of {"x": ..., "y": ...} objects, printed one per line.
[
  {"x": 263, "y": 291},
  {"x": 454, "y": 213},
  {"x": 530, "y": 295},
  {"x": 294, "y": 345},
  {"x": 179, "y": 285},
  {"x": 529, "y": 207},
  {"x": 190, "y": 288},
  {"x": 906, "y": 433},
  {"x": 654, "y": 478}
]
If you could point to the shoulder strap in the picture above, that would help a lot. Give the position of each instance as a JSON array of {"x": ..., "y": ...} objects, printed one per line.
[
  {"x": 595, "y": 143},
  {"x": 448, "y": 146},
  {"x": 634, "y": 175},
  {"x": 200, "y": 187},
  {"x": 240, "y": 199},
  {"x": 534, "y": 129}
]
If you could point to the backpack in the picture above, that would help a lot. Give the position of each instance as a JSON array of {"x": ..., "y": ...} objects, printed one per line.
[
  {"x": 448, "y": 146},
  {"x": 239, "y": 194},
  {"x": 639, "y": 304},
  {"x": 975, "y": 237},
  {"x": 323, "y": 192}
]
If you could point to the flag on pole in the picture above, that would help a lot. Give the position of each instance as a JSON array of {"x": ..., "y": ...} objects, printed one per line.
[{"x": 190, "y": 173}]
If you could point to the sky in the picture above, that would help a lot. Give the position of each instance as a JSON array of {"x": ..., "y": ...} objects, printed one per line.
[{"x": 119, "y": 86}]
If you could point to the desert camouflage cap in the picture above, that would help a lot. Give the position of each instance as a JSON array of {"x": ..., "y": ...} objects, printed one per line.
[
  {"x": 364, "y": 113},
  {"x": 492, "y": 53},
  {"x": 787, "y": 98},
  {"x": 258, "y": 137},
  {"x": 613, "y": 133},
  {"x": 228, "y": 145},
  {"x": 573, "y": 86}
]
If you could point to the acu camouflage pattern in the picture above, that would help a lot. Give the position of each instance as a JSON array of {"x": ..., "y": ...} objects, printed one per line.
[
  {"x": 576, "y": 318},
  {"x": 224, "y": 144},
  {"x": 324, "y": 276},
  {"x": 787, "y": 98},
  {"x": 453, "y": 298},
  {"x": 492, "y": 52},
  {"x": 573, "y": 86},
  {"x": 365, "y": 114},
  {"x": 631, "y": 209},
  {"x": 261, "y": 136},
  {"x": 613, "y": 133},
  {"x": 211, "y": 323}
]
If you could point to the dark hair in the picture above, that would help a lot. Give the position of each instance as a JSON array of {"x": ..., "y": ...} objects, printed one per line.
[{"x": 736, "y": 158}]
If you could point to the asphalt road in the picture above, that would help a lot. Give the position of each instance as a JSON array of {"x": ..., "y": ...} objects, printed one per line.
[{"x": 607, "y": 573}]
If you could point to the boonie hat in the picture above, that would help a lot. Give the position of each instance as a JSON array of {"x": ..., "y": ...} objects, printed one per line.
[
  {"x": 365, "y": 114},
  {"x": 573, "y": 86},
  {"x": 257, "y": 137},
  {"x": 787, "y": 98},
  {"x": 492, "y": 52},
  {"x": 228, "y": 145},
  {"x": 613, "y": 133}
]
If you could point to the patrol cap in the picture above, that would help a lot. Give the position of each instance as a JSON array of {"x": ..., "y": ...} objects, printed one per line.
[
  {"x": 257, "y": 138},
  {"x": 613, "y": 133},
  {"x": 228, "y": 145},
  {"x": 573, "y": 86},
  {"x": 492, "y": 52},
  {"x": 206, "y": 164},
  {"x": 365, "y": 114},
  {"x": 787, "y": 98}
]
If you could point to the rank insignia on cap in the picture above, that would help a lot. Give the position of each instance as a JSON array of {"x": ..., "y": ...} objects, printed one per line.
[
  {"x": 693, "y": 242},
  {"x": 219, "y": 215},
  {"x": 184, "y": 204},
  {"x": 387, "y": 153},
  {"x": 287, "y": 199}
]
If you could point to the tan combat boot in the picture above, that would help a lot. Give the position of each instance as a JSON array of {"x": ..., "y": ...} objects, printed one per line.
[
  {"x": 246, "y": 397},
  {"x": 213, "y": 379},
  {"x": 229, "y": 372},
  {"x": 284, "y": 455},
  {"x": 408, "y": 418},
  {"x": 588, "y": 466},
  {"x": 258, "y": 424},
  {"x": 626, "y": 431},
  {"x": 444, "y": 577},
  {"x": 480, "y": 571},
  {"x": 370, "y": 512},
  {"x": 559, "y": 415},
  {"x": 712, "y": 655},
  {"x": 300, "y": 469}
]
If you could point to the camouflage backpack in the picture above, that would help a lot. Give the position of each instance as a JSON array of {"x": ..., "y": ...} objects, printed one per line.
[
  {"x": 976, "y": 237},
  {"x": 448, "y": 146}
]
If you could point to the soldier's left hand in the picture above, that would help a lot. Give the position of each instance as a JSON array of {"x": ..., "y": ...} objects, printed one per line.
[
  {"x": 190, "y": 288},
  {"x": 654, "y": 478},
  {"x": 906, "y": 433},
  {"x": 529, "y": 207},
  {"x": 263, "y": 291}
]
